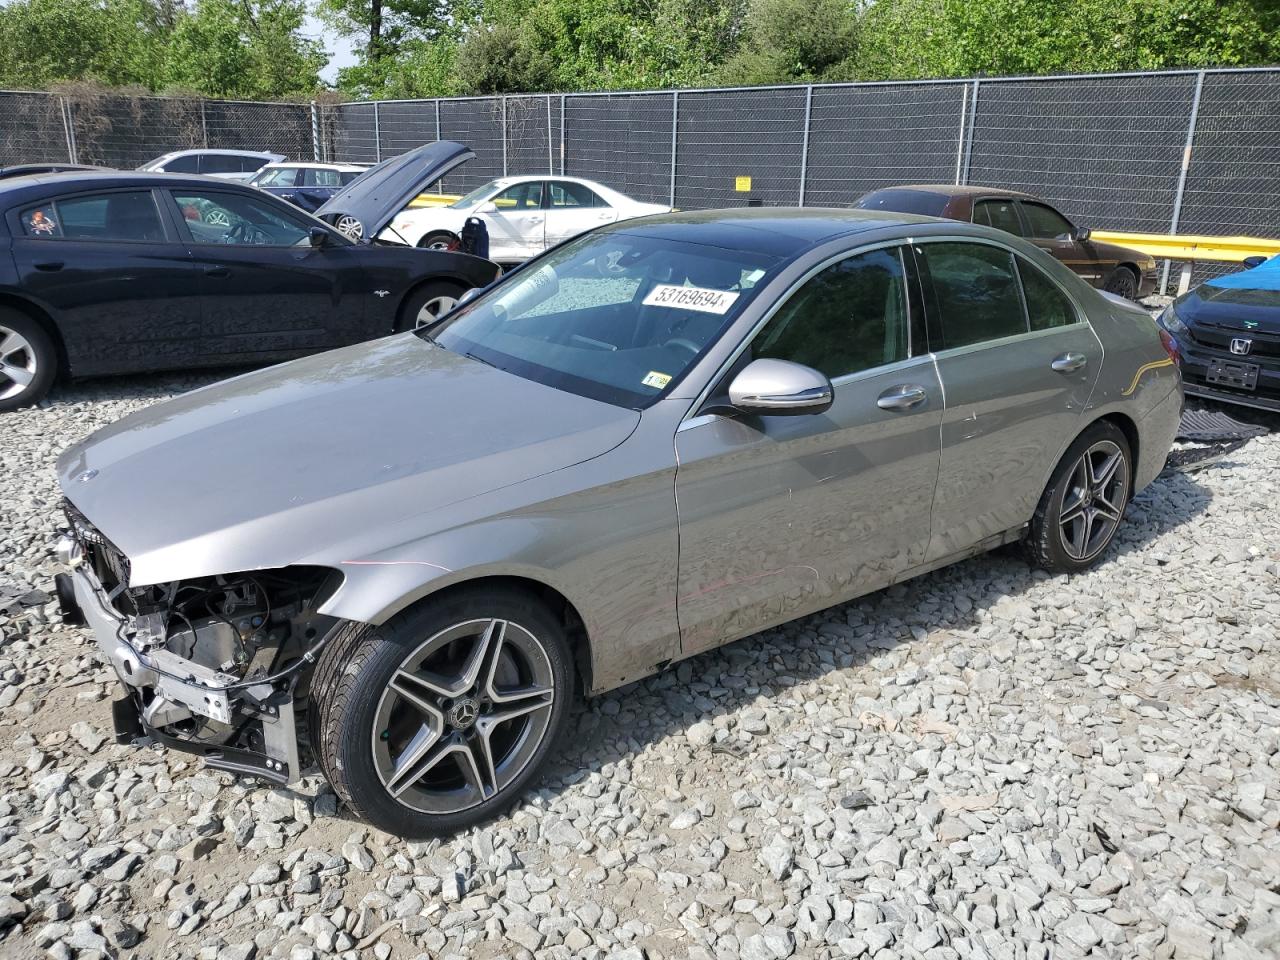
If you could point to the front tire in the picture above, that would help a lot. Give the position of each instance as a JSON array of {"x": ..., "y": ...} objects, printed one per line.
[
  {"x": 439, "y": 240},
  {"x": 1081, "y": 509},
  {"x": 439, "y": 718},
  {"x": 428, "y": 303},
  {"x": 28, "y": 360}
]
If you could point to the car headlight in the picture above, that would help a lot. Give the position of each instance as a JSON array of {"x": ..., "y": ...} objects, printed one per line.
[{"x": 1170, "y": 320}]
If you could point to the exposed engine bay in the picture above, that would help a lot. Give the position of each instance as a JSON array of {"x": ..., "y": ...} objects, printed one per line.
[{"x": 212, "y": 666}]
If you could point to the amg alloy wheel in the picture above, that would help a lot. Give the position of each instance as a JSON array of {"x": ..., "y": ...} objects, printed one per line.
[
  {"x": 1081, "y": 510},
  {"x": 28, "y": 360},
  {"x": 1093, "y": 501},
  {"x": 438, "y": 719}
]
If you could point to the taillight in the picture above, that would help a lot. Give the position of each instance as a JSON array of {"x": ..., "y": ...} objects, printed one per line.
[{"x": 1171, "y": 346}]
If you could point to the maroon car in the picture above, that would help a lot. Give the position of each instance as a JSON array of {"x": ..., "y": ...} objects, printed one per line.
[{"x": 1105, "y": 265}]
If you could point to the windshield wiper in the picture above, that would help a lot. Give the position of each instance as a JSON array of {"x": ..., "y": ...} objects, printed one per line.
[{"x": 487, "y": 363}]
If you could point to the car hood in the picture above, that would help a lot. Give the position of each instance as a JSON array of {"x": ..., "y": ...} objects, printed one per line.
[
  {"x": 364, "y": 208},
  {"x": 288, "y": 464},
  {"x": 1249, "y": 308}
]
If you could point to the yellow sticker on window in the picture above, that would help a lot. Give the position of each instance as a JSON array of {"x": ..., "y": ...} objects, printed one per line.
[{"x": 656, "y": 379}]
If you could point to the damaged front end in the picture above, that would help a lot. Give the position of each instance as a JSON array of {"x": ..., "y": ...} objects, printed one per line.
[{"x": 214, "y": 666}]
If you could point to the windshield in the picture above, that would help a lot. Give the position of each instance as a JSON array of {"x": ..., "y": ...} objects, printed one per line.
[
  {"x": 474, "y": 197},
  {"x": 615, "y": 317}
]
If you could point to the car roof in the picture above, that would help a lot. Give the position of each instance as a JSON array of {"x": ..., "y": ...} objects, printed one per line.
[
  {"x": 41, "y": 185},
  {"x": 312, "y": 165},
  {"x": 780, "y": 231},
  {"x": 956, "y": 190},
  {"x": 203, "y": 150}
]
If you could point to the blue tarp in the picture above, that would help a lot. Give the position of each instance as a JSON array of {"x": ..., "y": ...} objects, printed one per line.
[{"x": 1265, "y": 276}]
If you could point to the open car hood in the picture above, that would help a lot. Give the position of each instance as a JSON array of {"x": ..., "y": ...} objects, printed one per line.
[{"x": 366, "y": 206}]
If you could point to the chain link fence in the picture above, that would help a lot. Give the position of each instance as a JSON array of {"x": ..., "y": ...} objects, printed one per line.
[{"x": 1174, "y": 152}]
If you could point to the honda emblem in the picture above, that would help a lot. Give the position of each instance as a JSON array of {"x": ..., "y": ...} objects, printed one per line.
[{"x": 1241, "y": 345}]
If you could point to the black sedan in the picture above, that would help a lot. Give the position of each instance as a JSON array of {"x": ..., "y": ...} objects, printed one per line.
[
  {"x": 109, "y": 273},
  {"x": 1227, "y": 333}
]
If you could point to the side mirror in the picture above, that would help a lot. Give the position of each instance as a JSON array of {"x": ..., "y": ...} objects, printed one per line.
[
  {"x": 319, "y": 237},
  {"x": 1250, "y": 262},
  {"x": 489, "y": 207},
  {"x": 780, "y": 388},
  {"x": 1080, "y": 234}
]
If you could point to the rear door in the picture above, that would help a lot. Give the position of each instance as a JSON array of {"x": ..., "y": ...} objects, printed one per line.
[
  {"x": 1018, "y": 363},
  {"x": 783, "y": 515},
  {"x": 267, "y": 293},
  {"x": 116, "y": 276},
  {"x": 573, "y": 208}
]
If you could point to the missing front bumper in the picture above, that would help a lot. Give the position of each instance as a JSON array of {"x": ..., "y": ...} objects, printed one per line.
[{"x": 163, "y": 689}]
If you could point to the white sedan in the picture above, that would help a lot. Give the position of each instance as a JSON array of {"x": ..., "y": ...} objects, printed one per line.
[{"x": 524, "y": 215}]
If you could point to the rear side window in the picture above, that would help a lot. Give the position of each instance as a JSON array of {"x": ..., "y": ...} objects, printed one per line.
[
  {"x": 850, "y": 317},
  {"x": 127, "y": 216},
  {"x": 322, "y": 178},
  {"x": 1045, "y": 222},
  {"x": 922, "y": 202},
  {"x": 1047, "y": 306},
  {"x": 220, "y": 163},
  {"x": 1001, "y": 214},
  {"x": 976, "y": 290},
  {"x": 567, "y": 194}
]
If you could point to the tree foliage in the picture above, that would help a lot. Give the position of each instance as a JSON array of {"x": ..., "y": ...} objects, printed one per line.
[
  {"x": 417, "y": 48},
  {"x": 220, "y": 48}
]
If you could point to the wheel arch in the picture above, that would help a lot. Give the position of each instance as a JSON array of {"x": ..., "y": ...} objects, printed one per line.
[
  {"x": 413, "y": 289},
  {"x": 551, "y": 597},
  {"x": 41, "y": 316},
  {"x": 1129, "y": 428},
  {"x": 431, "y": 233}
]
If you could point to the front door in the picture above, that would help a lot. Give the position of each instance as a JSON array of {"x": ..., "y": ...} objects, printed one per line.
[
  {"x": 516, "y": 222},
  {"x": 1055, "y": 235},
  {"x": 574, "y": 208},
  {"x": 780, "y": 516},
  {"x": 267, "y": 293},
  {"x": 1018, "y": 363},
  {"x": 118, "y": 280}
]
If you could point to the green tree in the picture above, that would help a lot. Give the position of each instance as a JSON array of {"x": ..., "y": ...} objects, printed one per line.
[{"x": 793, "y": 40}]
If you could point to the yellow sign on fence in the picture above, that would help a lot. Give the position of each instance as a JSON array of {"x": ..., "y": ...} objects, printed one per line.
[{"x": 742, "y": 184}]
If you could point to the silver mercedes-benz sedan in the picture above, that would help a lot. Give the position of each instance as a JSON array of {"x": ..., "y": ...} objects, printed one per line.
[{"x": 397, "y": 560}]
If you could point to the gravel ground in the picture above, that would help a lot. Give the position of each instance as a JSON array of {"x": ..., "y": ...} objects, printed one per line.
[{"x": 984, "y": 763}]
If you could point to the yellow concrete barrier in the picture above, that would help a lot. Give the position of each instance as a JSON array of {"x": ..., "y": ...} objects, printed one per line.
[{"x": 434, "y": 200}]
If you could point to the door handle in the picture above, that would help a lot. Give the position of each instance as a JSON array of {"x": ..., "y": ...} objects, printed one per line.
[
  {"x": 534, "y": 221},
  {"x": 219, "y": 273},
  {"x": 902, "y": 397},
  {"x": 1068, "y": 362},
  {"x": 49, "y": 266}
]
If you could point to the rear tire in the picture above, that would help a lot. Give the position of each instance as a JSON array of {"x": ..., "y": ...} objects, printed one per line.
[
  {"x": 439, "y": 718},
  {"x": 1123, "y": 282},
  {"x": 428, "y": 303},
  {"x": 28, "y": 360},
  {"x": 1082, "y": 508}
]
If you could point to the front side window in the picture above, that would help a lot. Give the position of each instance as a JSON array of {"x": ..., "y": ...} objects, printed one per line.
[
  {"x": 523, "y": 196},
  {"x": 1001, "y": 214},
  {"x": 850, "y": 317},
  {"x": 976, "y": 289},
  {"x": 124, "y": 216},
  {"x": 1047, "y": 305},
  {"x": 1046, "y": 223},
  {"x": 565, "y": 194},
  {"x": 617, "y": 318},
  {"x": 279, "y": 177},
  {"x": 214, "y": 217}
]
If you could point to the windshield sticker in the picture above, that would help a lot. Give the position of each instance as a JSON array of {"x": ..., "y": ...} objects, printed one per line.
[
  {"x": 690, "y": 298},
  {"x": 656, "y": 379},
  {"x": 527, "y": 293}
]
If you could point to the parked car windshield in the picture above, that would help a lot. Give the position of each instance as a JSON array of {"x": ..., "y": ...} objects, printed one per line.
[
  {"x": 474, "y": 197},
  {"x": 617, "y": 317}
]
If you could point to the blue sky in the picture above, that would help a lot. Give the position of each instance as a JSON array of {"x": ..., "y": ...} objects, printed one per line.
[{"x": 340, "y": 49}]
